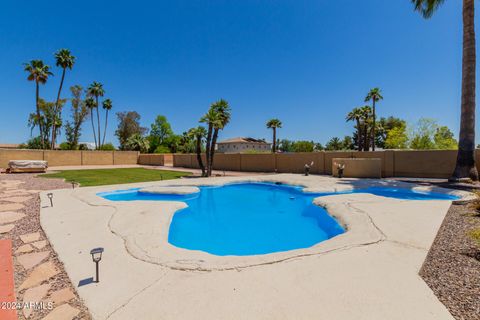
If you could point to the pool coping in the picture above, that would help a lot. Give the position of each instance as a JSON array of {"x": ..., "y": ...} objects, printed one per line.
[{"x": 145, "y": 231}]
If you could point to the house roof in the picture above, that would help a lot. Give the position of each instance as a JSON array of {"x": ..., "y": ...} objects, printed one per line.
[
  {"x": 9, "y": 145},
  {"x": 243, "y": 140}
]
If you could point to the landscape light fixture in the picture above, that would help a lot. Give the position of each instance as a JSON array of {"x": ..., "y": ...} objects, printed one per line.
[
  {"x": 73, "y": 184},
  {"x": 96, "y": 257},
  {"x": 50, "y": 196}
]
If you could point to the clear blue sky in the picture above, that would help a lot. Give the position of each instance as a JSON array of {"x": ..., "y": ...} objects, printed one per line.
[{"x": 305, "y": 62}]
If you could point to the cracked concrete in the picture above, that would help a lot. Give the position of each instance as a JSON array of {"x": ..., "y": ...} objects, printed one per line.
[{"x": 370, "y": 272}]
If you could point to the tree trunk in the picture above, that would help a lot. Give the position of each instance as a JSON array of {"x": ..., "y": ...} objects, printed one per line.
[
  {"x": 208, "y": 144},
  {"x": 373, "y": 127},
  {"x": 212, "y": 151},
  {"x": 359, "y": 135},
  {"x": 105, "y": 128},
  {"x": 465, "y": 166},
  {"x": 37, "y": 97},
  {"x": 93, "y": 127},
  {"x": 98, "y": 121},
  {"x": 54, "y": 137},
  {"x": 274, "y": 140},
  {"x": 199, "y": 155},
  {"x": 366, "y": 145}
]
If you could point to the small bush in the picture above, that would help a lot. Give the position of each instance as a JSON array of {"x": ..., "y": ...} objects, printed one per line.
[
  {"x": 107, "y": 147},
  {"x": 475, "y": 235},
  {"x": 162, "y": 149}
]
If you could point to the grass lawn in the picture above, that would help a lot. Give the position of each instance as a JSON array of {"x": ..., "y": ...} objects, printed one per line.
[{"x": 100, "y": 177}]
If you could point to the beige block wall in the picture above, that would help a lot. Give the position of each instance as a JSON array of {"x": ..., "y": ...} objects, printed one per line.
[
  {"x": 228, "y": 162},
  {"x": 62, "y": 158},
  {"x": 258, "y": 162},
  {"x": 9, "y": 154},
  {"x": 97, "y": 158},
  {"x": 182, "y": 160},
  {"x": 151, "y": 159},
  {"x": 329, "y": 155},
  {"x": 428, "y": 163},
  {"x": 125, "y": 157},
  {"x": 358, "y": 167},
  {"x": 295, "y": 162}
]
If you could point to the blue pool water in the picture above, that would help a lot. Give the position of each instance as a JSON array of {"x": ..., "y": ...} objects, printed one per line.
[{"x": 254, "y": 218}]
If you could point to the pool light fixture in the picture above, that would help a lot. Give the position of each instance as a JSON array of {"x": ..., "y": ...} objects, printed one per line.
[{"x": 96, "y": 257}]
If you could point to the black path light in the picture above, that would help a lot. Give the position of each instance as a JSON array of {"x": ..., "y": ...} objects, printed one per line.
[
  {"x": 50, "y": 197},
  {"x": 96, "y": 257},
  {"x": 73, "y": 184}
]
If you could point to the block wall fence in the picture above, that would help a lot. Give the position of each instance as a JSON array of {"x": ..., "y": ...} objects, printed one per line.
[
  {"x": 70, "y": 158},
  {"x": 395, "y": 163}
]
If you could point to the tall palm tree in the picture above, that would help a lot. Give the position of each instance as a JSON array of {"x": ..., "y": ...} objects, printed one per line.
[
  {"x": 274, "y": 124},
  {"x": 222, "y": 108},
  {"x": 90, "y": 104},
  {"x": 356, "y": 115},
  {"x": 465, "y": 166},
  {"x": 38, "y": 72},
  {"x": 64, "y": 60},
  {"x": 374, "y": 95},
  {"x": 95, "y": 90},
  {"x": 107, "y": 106},
  {"x": 199, "y": 134},
  {"x": 210, "y": 118},
  {"x": 365, "y": 118}
]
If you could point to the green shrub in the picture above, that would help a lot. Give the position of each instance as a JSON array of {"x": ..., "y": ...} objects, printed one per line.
[
  {"x": 107, "y": 147},
  {"x": 161, "y": 149},
  {"x": 475, "y": 235}
]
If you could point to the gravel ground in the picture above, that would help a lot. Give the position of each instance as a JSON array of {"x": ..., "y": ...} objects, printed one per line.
[
  {"x": 452, "y": 267},
  {"x": 31, "y": 223}
]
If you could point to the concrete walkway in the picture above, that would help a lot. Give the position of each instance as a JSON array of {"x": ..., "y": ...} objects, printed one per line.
[{"x": 374, "y": 280}]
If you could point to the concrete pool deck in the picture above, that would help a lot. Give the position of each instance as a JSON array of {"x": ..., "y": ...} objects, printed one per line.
[{"x": 370, "y": 272}]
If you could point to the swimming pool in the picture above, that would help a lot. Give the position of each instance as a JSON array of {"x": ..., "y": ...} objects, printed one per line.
[{"x": 254, "y": 218}]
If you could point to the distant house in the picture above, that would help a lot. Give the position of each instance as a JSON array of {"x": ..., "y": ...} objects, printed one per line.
[{"x": 242, "y": 145}]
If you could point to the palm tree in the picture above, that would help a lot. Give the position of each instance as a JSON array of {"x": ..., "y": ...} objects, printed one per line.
[
  {"x": 465, "y": 166},
  {"x": 38, "y": 72},
  {"x": 64, "y": 60},
  {"x": 90, "y": 103},
  {"x": 365, "y": 117},
  {"x": 209, "y": 118},
  {"x": 95, "y": 90},
  {"x": 199, "y": 134},
  {"x": 356, "y": 115},
  {"x": 222, "y": 109},
  {"x": 274, "y": 124},
  {"x": 107, "y": 106},
  {"x": 374, "y": 95}
]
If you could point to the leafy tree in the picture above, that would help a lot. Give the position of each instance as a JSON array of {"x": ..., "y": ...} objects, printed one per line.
[
  {"x": 160, "y": 132},
  {"x": 47, "y": 119},
  {"x": 444, "y": 139},
  {"x": 79, "y": 113},
  {"x": 274, "y": 124},
  {"x": 39, "y": 73},
  {"x": 107, "y": 147},
  {"x": 303, "y": 146},
  {"x": 107, "y": 106},
  {"x": 366, "y": 121},
  {"x": 64, "y": 60},
  {"x": 397, "y": 138},
  {"x": 136, "y": 142},
  {"x": 384, "y": 126},
  {"x": 95, "y": 90},
  {"x": 334, "y": 144},
  {"x": 285, "y": 145},
  {"x": 374, "y": 95},
  {"x": 347, "y": 143},
  {"x": 162, "y": 149},
  {"x": 128, "y": 125},
  {"x": 465, "y": 165}
]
